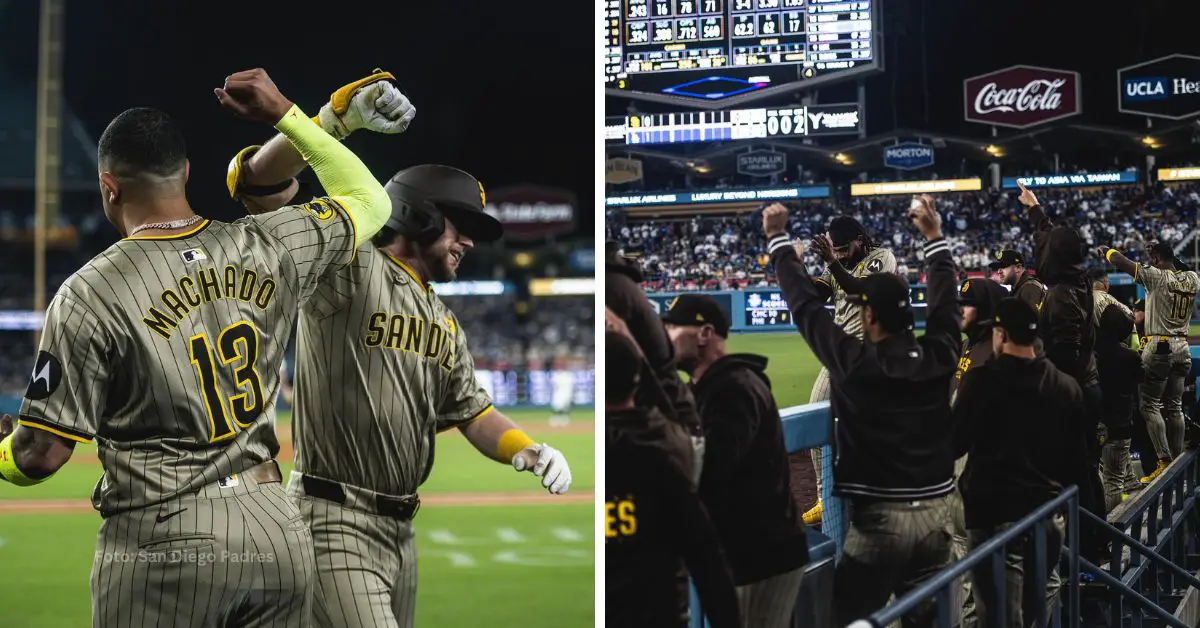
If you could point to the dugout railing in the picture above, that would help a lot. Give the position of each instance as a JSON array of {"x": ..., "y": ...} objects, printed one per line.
[{"x": 1157, "y": 524}]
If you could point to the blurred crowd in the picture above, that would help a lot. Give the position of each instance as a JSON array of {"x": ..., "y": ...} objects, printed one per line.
[
  {"x": 725, "y": 252},
  {"x": 552, "y": 333}
]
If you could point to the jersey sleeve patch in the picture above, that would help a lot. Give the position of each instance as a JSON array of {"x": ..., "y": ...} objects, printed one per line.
[{"x": 47, "y": 375}]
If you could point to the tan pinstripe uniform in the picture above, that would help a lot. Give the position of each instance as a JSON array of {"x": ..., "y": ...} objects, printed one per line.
[
  {"x": 381, "y": 366},
  {"x": 166, "y": 352},
  {"x": 848, "y": 316},
  {"x": 1170, "y": 302}
]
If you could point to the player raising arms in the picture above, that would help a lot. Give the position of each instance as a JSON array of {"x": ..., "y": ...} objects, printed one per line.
[
  {"x": 846, "y": 246},
  {"x": 165, "y": 349},
  {"x": 381, "y": 366},
  {"x": 1170, "y": 302}
]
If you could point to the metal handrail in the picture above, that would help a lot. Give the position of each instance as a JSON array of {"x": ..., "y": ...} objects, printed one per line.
[
  {"x": 933, "y": 588},
  {"x": 1142, "y": 549},
  {"x": 1107, "y": 578}
]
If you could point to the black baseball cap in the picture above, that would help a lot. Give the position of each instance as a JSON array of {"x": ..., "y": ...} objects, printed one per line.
[
  {"x": 1018, "y": 319},
  {"x": 694, "y": 310},
  {"x": 845, "y": 229},
  {"x": 890, "y": 298},
  {"x": 1006, "y": 258},
  {"x": 968, "y": 294}
]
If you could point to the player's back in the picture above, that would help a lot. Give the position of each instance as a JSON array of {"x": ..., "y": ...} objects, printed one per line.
[
  {"x": 1170, "y": 300},
  {"x": 188, "y": 331}
]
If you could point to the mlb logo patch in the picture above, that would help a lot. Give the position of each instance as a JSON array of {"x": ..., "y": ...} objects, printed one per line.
[
  {"x": 228, "y": 482},
  {"x": 193, "y": 255}
]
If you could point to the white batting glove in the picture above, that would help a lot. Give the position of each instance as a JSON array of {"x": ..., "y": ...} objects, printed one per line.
[
  {"x": 551, "y": 466},
  {"x": 378, "y": 107}
]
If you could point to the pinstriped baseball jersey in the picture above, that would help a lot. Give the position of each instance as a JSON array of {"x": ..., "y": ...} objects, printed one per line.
[
  {"x": 381, "y": 366},
  {"x": 166, "y": 350},
  {"x": 846, "y": 314},
  {"x": 1170, "y": 299}
]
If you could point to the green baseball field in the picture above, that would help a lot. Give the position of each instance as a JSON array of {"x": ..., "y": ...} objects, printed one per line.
[
  {"x": 494, "y": 548},
  {"x": 791, "y": 366}
]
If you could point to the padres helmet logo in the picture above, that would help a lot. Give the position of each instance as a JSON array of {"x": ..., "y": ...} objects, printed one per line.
[
  {"x": 966, "y": 285},
  {"x": 999, "y": 255},
  {"x": 482, "y": 195}
]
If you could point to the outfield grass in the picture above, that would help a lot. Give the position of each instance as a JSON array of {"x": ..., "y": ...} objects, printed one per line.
[
  {"x": 791, "y": 365},
  {"x": 493, "y": 565}
]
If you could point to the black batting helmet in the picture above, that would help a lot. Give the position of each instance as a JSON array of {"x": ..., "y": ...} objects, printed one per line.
[{"x": 424, "y": 196}]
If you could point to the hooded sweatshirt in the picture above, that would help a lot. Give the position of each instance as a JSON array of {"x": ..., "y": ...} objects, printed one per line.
[
  {"x": 985, "y": 294},
  {"x": 1066, "y": 321},
  {"x": 657, "y": 530},
  {"x": 1120, "y": 372},
  {"x": 746, "y": 484}
]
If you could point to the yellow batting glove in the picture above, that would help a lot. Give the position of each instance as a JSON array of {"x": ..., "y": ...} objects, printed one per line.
[{"x": 373, "y": 103}]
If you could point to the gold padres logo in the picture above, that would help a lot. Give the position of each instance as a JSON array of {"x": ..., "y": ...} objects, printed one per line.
[
  {"x": 966, "y": 286},
  {"x": 482, "y": 195},
  {"x": 450, "y": 324},
  {"x": 320, "y": 208},
  {"x": 999, "y": 255}
]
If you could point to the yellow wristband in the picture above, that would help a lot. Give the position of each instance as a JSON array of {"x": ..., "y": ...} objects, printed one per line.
[
  {"x": 511, "y": 443},
  {"x": 1108, "y": 255},
  {"x": 8, "y": 465}
]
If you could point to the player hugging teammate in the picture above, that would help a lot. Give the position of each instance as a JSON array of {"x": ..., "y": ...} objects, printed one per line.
[{"x": 167, "y": 350}]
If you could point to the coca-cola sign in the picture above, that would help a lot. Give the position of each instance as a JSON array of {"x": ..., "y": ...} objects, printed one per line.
[{"x": 1021, "y": 96}]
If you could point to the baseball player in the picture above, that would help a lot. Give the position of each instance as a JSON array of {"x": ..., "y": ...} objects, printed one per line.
[
  {"x": 382, "y": 366},
  {"x": 846, "y": 245},
  {"x": 1009, "y": 270},
  {"x": 1100, "y": 296},
  {"x": 1170, "y": 302},
  {"x": 165, "y": 350}
]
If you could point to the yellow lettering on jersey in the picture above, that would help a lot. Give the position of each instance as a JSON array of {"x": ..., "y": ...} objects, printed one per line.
[
  {"x": 174, "y": 303},
  {"x": 620, "y": 518},
  {"x": 265, "y": 292},
  {"x": 416, "y": 331},
  {"x": 964, "y": 363},
  {"x": 433, "y": 343},
  {"x": 159, "y": 323},
  {"x": 375, "y": 329},
  {"x": 252, "y": 288},
  {"x": 230, "y": 282},
  {"x": 208, "y": 284},
  {"x": 249, "y": 278},
  {"x": 187, "y": 287},
  {"x": 411, "y": 334}
]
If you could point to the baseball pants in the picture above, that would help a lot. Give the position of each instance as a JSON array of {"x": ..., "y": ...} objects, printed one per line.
[
  {"x": 961, "y": 545},
  {"x": 1115, "y": 468},
  {"x": 820, "y": 392},
  {"x": 238, "y": 555},
  {"x": 891, "y": 548},
  {"x": 769, "y": 602},
  {"x": 1021, "y": 596},
  {"x": 1167, "y": 364},
  {"x": 366, "y": 563}
]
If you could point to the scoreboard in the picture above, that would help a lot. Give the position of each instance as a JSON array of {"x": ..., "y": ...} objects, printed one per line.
[
  {"x": 712, "y": 53},
  {"x": 736, "y": 124}
]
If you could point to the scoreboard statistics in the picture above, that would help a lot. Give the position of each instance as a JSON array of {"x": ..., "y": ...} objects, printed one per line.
[{"x": 712, "y": 53}]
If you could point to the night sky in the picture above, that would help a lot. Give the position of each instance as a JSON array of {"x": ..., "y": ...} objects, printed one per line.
[
  {"x": 481, "y": 74},
  {"x": 922, "y": 85}
]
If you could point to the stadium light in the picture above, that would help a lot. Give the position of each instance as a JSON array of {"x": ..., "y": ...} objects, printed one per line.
[
  {"x": 1151, "y": 142},
  {"x": 994, "y": 151}
]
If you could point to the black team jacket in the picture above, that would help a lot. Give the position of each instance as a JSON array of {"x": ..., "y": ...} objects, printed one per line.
[
  {"x": 1012, "y": 417},
  {"x": 655, "y": 525},
  {"x": 977, "y": 346},
  {"x": 746, "y": 484},
  {"x": 891, "y": 398},
  {"x": 1120, "y": 370},
  {"x": 1065, "y": 321},
  {"x": 662, "y": 388}
]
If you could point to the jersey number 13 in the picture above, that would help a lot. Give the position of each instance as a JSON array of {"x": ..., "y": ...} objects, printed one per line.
[{"x": 237, "y": 345}]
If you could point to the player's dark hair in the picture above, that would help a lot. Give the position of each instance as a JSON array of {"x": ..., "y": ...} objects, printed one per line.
[
  {"x": 141, "y": 142},
  {"x": 384, "y": 237},
  {"x": 1098, "y": 274},
  {"x": 844, "y": 229}
]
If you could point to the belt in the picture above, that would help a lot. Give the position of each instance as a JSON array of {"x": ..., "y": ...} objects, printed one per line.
[
  {"x": 404, "y": 508},
  {"x": 264, "y": 472},
  {"x": 1165, "y": 338}
]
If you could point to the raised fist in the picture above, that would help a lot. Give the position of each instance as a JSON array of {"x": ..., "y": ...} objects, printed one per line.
[{"x": 251, "y": 94}]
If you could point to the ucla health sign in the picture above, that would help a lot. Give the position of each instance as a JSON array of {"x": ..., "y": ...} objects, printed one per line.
[
  {"x": 1168, "y": 87},
  {"x": 908, "y": 156}
]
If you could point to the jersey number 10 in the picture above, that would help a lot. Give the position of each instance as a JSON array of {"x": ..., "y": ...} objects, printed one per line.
[{"x": 238, "y": 344}]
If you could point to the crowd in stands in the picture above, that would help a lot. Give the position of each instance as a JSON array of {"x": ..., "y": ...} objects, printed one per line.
[
  {"x": 555, "y": 332},
  {"x": 725, "y": 252}
]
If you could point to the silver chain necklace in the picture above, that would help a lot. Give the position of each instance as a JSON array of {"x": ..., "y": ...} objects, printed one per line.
[{"x": 171, "y": 224}]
